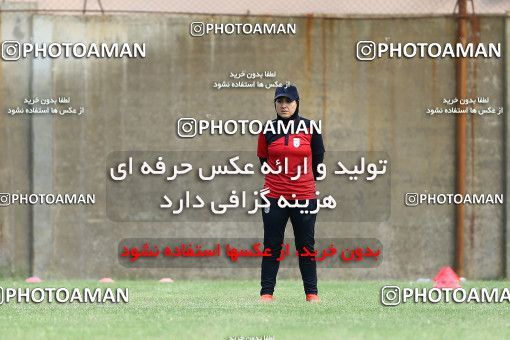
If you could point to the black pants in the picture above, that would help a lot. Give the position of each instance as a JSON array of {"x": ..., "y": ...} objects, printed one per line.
[{"x": 275, "y": 221}]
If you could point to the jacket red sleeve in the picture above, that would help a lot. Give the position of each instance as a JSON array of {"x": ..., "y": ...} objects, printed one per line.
[{"x": 262, "y": 147}]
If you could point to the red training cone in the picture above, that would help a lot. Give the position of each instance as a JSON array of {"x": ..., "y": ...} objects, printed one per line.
[
  {"x": 33, "y": 279},
  {"x": 446, "y": 278}
]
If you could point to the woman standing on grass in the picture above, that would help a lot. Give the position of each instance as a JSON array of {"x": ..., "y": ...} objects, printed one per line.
[{"x": 273, "y": 147}]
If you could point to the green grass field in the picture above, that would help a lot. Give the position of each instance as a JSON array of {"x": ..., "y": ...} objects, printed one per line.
[{"x": 219, "y": 309}]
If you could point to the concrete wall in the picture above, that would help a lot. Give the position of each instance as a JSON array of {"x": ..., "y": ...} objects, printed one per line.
[
  {"x": 134, "y": 105},
  {"x": 15, "y": 149}
]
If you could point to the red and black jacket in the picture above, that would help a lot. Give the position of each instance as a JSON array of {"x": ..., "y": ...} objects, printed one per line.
[{"x": 296, "y": 147}]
